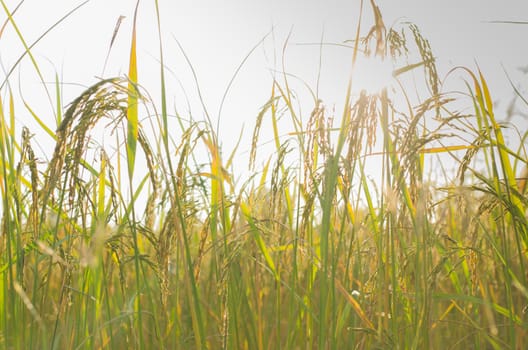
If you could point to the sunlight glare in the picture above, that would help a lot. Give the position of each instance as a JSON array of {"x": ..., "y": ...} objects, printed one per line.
[{"x": 372, "y": 74}]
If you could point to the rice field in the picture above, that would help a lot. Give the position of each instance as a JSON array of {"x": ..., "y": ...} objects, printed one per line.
[{"x": 138, "y": 241}]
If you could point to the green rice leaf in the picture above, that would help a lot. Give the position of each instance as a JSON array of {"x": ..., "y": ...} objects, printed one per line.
[{"x": 259, "y": 240}]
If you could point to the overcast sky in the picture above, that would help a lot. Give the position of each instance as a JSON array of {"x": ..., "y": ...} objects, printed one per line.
[{"x": 217, "y": 35}]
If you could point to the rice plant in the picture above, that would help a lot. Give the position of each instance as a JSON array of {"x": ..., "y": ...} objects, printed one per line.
[{"x": 308, "y": 252}]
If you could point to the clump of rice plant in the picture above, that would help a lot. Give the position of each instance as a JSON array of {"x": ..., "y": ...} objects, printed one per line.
[{"x": 309, "y": 252}]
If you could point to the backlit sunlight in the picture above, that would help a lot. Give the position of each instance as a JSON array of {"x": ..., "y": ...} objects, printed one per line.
[{"x": 372, "y": 74}]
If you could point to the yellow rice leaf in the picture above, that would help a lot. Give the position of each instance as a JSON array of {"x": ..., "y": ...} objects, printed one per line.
[
  {"x": 505, "y": 160},
  {"x": 132, "y": 107},
  {"x": 446, "y": 149},
  {"x": 355, "y": 305}
]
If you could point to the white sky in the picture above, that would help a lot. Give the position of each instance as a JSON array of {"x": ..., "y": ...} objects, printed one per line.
[{"x": 217, "y": 35}]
